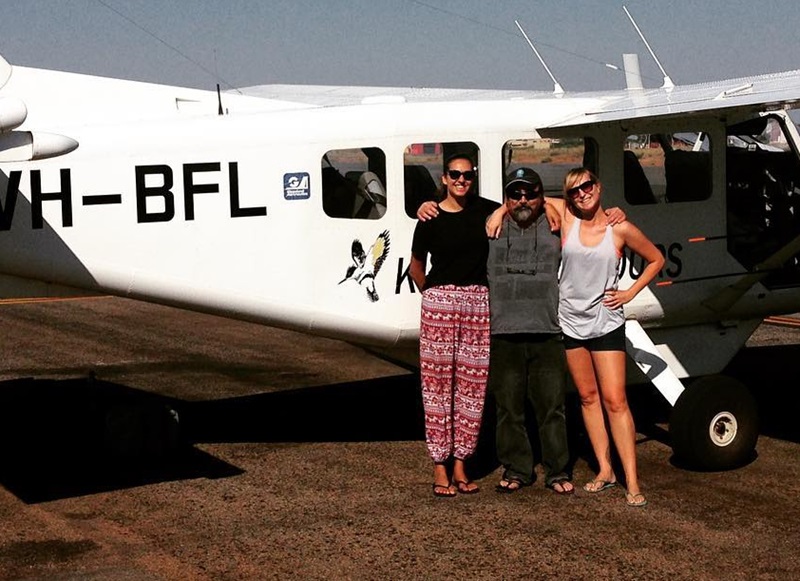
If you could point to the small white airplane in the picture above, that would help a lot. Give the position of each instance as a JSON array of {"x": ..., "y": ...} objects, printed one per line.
[{"x": 258, "y": 206}]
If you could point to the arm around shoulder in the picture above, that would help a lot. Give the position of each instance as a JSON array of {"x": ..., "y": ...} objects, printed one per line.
[
  {"x": 427, "y": 211},
  {"x": 554, "y": 212},
  {"x": 559, "y": 204},
  {"x": 494, "y": 223}
]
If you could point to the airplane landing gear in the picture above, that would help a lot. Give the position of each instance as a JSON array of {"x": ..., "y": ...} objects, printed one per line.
[{"x": 714, "y": 424}]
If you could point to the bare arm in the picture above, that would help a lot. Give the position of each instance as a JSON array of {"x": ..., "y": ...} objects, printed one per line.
[
  {"x": 494, "y": 223},
  {"x": 558, "y": 203},
  {"x": 635, "y": 239},
  {"x": 427, "y": 211},
  {"x": 553, "y": 217},
  {"x": 554, "y": 211},
  {"x": 616, "y": 216},
  {"x": 417, "y": 271}
]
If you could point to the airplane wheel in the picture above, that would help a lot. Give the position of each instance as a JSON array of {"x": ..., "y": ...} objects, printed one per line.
[{"x": 714, "y": 424}]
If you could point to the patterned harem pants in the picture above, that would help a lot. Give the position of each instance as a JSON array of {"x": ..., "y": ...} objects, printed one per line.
[{"x": 454, "y": 340}]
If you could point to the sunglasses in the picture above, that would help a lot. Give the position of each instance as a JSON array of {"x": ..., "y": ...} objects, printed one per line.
[
  {"x": 454, "y": 174},
  {"x": 517, "y": 194},
  {"x": 585, "y": 187}
]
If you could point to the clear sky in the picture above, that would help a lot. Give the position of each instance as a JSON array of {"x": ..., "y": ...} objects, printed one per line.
[{"x": 444, "y": 43}]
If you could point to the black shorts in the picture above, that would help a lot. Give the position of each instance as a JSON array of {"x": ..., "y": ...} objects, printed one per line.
[{"x": 613, "y": 341}]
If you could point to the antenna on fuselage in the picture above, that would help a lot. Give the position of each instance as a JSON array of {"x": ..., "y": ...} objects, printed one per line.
[
  {"x": 556, "y": 86},
  {"x": 668, "y": 84},
  {"x": 219, "y": 101}
]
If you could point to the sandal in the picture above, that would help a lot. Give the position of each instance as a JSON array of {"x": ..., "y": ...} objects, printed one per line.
[
  {"x": 595, "y": 486},
  {"x": 559, "y": 486},
  {"x": 635, "y": 500},
  {"x": 509, "y": 485},
  {"x": 463, "y": 486},
  {"x": 444, "y": 490}
]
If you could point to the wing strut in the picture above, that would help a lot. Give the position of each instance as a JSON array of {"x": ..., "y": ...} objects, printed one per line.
[
  {"x": 556, "y": 87},
  {"x": 727, "y": 297},
  {"x": 647, "y": 358},
  {"x": 668, "y": 84}
]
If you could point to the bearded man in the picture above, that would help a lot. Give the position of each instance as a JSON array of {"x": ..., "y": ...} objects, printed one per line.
[{"x": 527, "y": 363}]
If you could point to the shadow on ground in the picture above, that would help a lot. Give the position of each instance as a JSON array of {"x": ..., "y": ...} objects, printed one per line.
[
  {"x": 64, "y": 438},
  {"x": 769, "y": 374},
  {"x": 384, "y": 409}
]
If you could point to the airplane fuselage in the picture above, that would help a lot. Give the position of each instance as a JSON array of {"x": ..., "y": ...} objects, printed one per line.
[{"x": 253, "y": 214}]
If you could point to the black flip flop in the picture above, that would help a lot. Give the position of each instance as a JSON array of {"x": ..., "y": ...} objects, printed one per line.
[
  {"x": 564, "y": 491},
  {"x": 439, "y": 488},
  {"x": 508, "y": 488},
  {"x": 462, "y": 487}
]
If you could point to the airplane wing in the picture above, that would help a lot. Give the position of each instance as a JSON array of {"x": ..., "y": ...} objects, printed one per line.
[
  {"x": 338, "y": 96},
  {"x": 746, "y": 93},
  {"x": 756, "y": 93},
  {"x": 89, "y": 99}
]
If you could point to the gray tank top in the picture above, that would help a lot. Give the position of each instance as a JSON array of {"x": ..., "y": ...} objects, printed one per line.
[{"x": 586, "y": 273}]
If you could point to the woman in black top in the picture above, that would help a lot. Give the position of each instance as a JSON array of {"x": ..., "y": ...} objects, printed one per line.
[{"x": 454, "y": 325}]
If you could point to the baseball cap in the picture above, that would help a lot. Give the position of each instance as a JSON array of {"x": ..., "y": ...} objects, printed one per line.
[{"x": 522, "y": 176}]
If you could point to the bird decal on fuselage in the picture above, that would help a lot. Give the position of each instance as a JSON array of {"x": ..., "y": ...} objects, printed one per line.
[{"x": 367, "y": 264}]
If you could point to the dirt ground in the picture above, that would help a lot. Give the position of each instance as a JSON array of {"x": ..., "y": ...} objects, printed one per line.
[{"x": 144, "y": 443}]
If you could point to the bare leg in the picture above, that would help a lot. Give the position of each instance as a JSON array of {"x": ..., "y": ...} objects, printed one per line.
[
  {"x": 460, "y": 478},
  {"x": 441, "y": 480},
  {"x": 581, "y": 367},
  {"x": 610, "y": 367}
]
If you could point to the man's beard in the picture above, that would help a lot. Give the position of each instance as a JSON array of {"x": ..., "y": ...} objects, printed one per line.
[{"x": 522, "y": 213}]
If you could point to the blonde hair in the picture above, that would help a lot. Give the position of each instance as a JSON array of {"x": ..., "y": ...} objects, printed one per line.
[
  {"x": 575, "y": 173},
  {"x": 572, "y": 176}
]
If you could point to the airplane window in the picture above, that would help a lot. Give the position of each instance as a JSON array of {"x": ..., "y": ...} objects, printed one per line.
[
  {"x": 353, "y": 183},
  {"x": 550, "y": 158},
  {"x": 423, "y": 167},
  {"x": 667, "y": 167}
]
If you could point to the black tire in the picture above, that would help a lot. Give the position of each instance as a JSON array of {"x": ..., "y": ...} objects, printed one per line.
[{"x": 714, "y": 424}]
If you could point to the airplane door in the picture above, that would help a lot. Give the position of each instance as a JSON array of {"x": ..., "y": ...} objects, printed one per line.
[{"x": 763, "y": 199}]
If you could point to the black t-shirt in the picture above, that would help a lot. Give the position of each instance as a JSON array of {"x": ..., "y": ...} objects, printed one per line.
[{"x": 457, "y": 244}]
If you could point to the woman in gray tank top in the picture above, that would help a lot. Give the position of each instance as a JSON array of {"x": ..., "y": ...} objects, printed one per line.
[{"x": 593, "y": 322}]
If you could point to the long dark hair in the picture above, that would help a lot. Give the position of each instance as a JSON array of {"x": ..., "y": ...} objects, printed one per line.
[
  {"x": 451, "y": 158},
  {"x": 442, "y": 190}
]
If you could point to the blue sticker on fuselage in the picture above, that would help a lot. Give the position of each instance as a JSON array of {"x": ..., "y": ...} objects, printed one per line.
[{"x": 296, "y": 186}]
